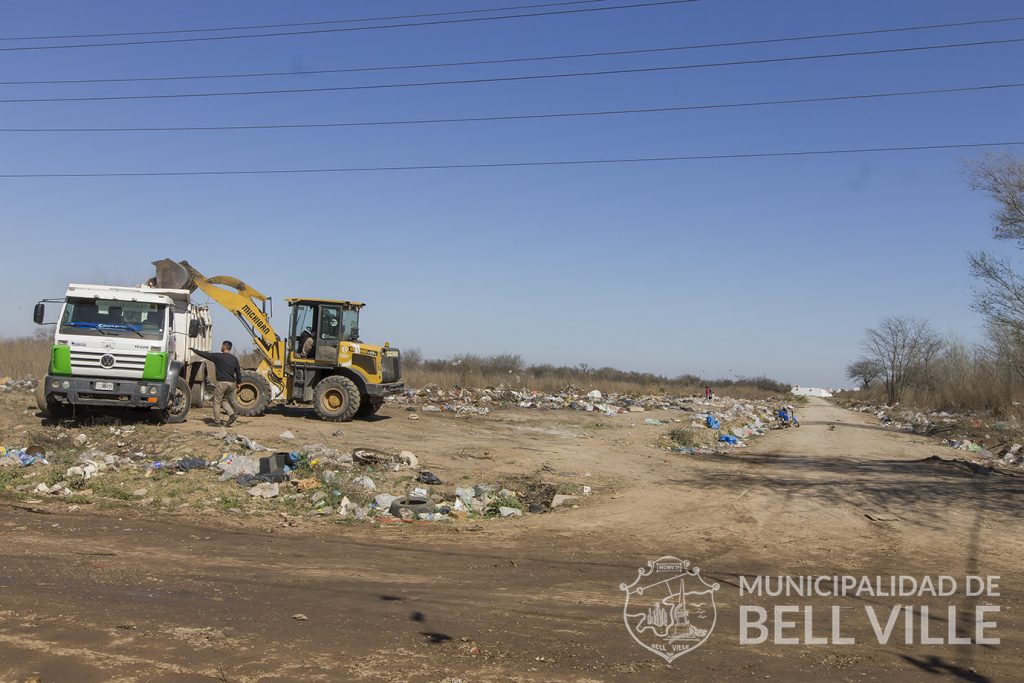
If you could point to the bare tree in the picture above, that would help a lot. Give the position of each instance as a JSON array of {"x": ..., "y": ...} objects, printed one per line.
[
  {"x": 864, "y": 370},
  {"x": 1000, "y": 297},
  {"x": 904, "y": 348}
]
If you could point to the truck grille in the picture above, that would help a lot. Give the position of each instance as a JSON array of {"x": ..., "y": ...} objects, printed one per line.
[
  {"x": 93, "y": 360},
  {"x": 392, "y": 367}
]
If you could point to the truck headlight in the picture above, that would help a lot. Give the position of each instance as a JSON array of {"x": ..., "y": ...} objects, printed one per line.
[
  {"x": 152, "y": 390},
  {"x": 54, "y": 384},
  {"x": 65, "y": 384},
  {"x": 143, "y": 388}
]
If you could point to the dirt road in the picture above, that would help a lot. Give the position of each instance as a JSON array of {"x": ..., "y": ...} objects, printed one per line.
[{"x": 130, "y": 595}]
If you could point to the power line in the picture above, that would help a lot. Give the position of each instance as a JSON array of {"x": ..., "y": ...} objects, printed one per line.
[
  {"x": 506, "y": 79},
  {"x": 323, "y": 22},
  {"x": 511, "y": 60},
  {"x": 522, "y": 164},
  {"x": 523, "y": 117},
  {"x": 276, "y": 34}
]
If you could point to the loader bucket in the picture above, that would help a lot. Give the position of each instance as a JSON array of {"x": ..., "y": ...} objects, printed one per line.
[{"x": 172, "y": 275}]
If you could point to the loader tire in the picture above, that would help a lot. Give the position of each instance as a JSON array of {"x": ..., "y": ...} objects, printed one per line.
[
  {"x": 336, "y": 399},
  {"x": 253, "y": 395},
  {"x": 178, "y": 403},
  {"x": 369, "y": 406}
]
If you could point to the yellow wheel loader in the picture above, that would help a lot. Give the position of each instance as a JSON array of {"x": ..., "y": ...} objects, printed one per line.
[{"x": 320, "y": 362}]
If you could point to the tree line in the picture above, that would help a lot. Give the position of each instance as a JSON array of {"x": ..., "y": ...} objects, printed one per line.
[{"x": 903, "y": 357}]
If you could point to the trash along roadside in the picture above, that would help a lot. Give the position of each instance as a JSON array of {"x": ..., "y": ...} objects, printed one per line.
[
  {"x": 464, "y": 401},
  {"x": 314, "y": 480},
  {"x": 989, "y": 441}
]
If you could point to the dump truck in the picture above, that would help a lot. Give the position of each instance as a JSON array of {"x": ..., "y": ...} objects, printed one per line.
[
  {"x": 125, "y": 347},
  {"x": 321, "y": 361}
]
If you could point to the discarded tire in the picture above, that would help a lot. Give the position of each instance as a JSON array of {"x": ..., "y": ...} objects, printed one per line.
[
  {"x": 413, "y": 504},
  {"x": 253, "y": 395}
]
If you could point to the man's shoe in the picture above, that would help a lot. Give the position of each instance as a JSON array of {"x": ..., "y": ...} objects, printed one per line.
[{"x": 231, "y": 420}]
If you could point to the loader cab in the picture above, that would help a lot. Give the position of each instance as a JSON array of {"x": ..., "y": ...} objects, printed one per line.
[{"x": 319, "y": 326}]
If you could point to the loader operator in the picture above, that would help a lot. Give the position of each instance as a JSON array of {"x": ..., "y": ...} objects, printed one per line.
[{"x": 229, "y": 377}]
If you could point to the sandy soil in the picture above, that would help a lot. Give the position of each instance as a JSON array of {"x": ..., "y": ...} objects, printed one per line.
[{"x": 132, "y": 594}]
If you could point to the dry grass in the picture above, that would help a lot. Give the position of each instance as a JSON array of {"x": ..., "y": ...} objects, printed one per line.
[{"x": 25, "y": 357}]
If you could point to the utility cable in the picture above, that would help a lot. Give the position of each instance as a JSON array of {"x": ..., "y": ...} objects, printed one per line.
[
  {"x": 521, "y": 164},
  {"x": 276, "y": 34},
  {"x": 513, "y": 60},
  {"x": 507, "y": 79},
  {"x": 523, "y": 117}
]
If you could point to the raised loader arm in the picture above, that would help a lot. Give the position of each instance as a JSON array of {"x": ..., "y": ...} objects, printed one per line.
[{"x": 246, "y": 303}]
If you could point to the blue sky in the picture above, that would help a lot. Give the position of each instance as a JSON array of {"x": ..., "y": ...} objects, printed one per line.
[{"x": 725, "y": 267}]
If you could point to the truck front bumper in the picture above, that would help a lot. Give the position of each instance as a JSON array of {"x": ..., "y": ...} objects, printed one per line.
[
  {"x": 92, "y": 391},
  {"x": 385, "y": 389}
]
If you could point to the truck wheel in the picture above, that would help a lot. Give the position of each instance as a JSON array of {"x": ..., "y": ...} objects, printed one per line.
[
  {"x": 336, "y": 399},
  {"x": 178, "y": 403},
  {"x": 369, "y": 406},
  {"x": 55, "y": 410},
  {"x": 41, "y": 397},
  {"x": 253, "y": 395}
]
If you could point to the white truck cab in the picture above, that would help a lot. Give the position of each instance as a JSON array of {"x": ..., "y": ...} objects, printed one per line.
[{"x": 126, "y": 347}]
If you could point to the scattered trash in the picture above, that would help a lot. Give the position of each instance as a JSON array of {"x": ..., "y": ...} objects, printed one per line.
[
  {"x": 653, "y": 421},
  {"x": 365, "y": 482},
  {"x": 413, "y": 504},
  {"x": 286, "y": 434},
  {"x": 712, "y": 422},
  {"x": 265, "y": 490},
  {"x": 426, "y": 477},
  {"x": 300, "y": 617}
]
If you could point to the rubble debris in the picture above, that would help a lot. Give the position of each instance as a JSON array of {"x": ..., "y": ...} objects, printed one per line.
[
  {"x": 427, "y": 477},
  {"x": 265, "y": 490}
]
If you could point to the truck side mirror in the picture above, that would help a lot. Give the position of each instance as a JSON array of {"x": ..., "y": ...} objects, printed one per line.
[
  {"x": 38, "y": 312},
  {"x": 193, "y": 328}
]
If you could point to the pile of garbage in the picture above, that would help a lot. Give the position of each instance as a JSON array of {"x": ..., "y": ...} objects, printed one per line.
[
  {"x": 462, "y": 401},
  {"x": 22, "y": 457},
  {"x": 721, "y": 429},
  {"x": 954, "y": 431},
  {"x": 8, "y": 384},
  {"x": 357, "y": 484}
]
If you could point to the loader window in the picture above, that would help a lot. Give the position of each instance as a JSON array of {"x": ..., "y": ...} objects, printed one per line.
[
  {"x": 350, "y": 324},
  {"x": 110, "y": 318}
]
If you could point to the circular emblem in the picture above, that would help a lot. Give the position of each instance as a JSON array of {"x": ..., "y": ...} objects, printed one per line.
[
  {"x": 107, "y": 360},
  {"x": 670, "y": 608}
]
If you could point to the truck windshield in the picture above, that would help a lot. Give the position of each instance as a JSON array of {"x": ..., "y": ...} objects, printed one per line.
[{"x": 109, "y": 317}]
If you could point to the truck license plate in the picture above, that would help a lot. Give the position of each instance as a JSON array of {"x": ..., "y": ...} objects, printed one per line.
[{"x": 104, "y": 386}]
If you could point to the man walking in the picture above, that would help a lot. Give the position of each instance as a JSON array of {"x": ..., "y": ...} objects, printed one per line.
[{"x": 229, "y": 377}]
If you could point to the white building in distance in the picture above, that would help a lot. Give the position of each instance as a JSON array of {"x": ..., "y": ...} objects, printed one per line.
[{"x": 812, "y": 391}]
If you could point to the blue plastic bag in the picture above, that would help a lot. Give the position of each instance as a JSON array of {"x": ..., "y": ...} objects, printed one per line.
[
  {"x": 729, "y": 439},
  {"x": 713, "y": 423}
]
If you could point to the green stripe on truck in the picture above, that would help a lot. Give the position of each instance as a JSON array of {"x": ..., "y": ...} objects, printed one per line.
[
  {"x": 60, "y": 360},
  {"x": 156, "y": 366}
]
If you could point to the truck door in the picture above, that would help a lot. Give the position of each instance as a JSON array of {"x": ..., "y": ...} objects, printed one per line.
[{"x": 328, "y": 335}]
